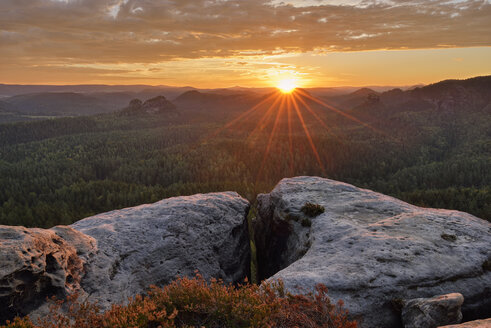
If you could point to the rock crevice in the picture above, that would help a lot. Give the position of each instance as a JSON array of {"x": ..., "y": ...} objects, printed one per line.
[{"x": 281, "y": 236}]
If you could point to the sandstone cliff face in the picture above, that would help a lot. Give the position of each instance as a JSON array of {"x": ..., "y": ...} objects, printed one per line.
[
  {"x": 371, "y": 250},
  {"x": 115, "y": 255}
]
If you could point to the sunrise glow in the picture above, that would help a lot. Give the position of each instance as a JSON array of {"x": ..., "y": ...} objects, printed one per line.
[{"x": 287, "y": 86}]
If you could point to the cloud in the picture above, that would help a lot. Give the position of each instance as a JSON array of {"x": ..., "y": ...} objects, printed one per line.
[
  {"x": 143, "y": 30},
  {"x": 119, "y": 32}
]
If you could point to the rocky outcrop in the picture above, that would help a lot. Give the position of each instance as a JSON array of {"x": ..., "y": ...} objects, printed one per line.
[
  {"x": 112, "y": 256},
  {"x": 134, "y": 106},
  {"x": 432, "y": 312},
  {"x": 472, "y": 324},
  {"x": 155, "y": 105},
  {"x": 154, "y": 244},
  {"x": 371, "y": 250},
  {"x": 39, "y": 263}
]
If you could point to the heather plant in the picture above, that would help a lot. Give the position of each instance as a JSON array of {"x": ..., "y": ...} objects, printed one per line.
[
  {"x": 312, "y": 209},
  {"x": 195, "y": 302}
]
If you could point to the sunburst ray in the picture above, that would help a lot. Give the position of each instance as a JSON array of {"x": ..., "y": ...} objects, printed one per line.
[
  {"x": 338, "y": 111},
  {"x": 307, "y": 134},
  {"x": 270, "y": 141},
  {"x": 316, "y": 116}
]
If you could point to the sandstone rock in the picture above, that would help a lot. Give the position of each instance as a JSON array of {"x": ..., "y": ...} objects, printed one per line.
[
  {"x": 112, "y": 256},
  {"x": 39, "y": 263},
  {"x": 371, "y": 250},
  {"x": 155, "y": 243},
  {"x": 432, "y": 312},
  {"x": 158, "y": 104},
  {"x": 486, "y": 323}
]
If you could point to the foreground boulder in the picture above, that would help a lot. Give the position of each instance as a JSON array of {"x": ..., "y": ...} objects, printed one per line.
[
  {"x": 432, "y": 312},
  {"x": 154, "y": 244},
  {"x": 112, "y": 256},
  {"x": 40, "y": 263},
  {"x": 372, "y": 251}
]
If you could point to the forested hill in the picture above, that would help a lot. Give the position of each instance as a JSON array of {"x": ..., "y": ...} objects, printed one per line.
[{"x": 429, "y": 146}]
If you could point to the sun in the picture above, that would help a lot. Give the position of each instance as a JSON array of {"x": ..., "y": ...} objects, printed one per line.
[{"x": 287, "y": 86}]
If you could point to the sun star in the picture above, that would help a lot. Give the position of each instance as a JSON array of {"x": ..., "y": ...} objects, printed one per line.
[{"x": 287, "y": 86}]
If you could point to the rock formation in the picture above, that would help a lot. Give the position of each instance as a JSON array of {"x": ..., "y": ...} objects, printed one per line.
[
  {"x": 432, "y": 312},
  {"x": 372, "y": 251},
  {"x": 155, "y": 105},
  {"x": 115, "y": 255}
]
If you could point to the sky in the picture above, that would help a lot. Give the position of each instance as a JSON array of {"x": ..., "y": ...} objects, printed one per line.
[{"x": 223, "y": 43}]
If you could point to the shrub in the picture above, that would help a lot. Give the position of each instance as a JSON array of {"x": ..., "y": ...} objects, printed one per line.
[
  {"x": 195, "y": 302},
  {"x": 306, "y": 222},
  {"x": 312, "y": 210}
]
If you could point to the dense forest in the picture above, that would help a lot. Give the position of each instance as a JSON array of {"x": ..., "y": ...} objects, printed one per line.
[{"x": 433, "y": 153}]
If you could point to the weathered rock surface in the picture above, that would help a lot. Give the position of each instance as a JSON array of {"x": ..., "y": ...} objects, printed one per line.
[
  {"x": 432, "y": 312},
  {"x": 371, "y": 250},
  {"x": 153, "y": 244},
  {"x": 472, "y": 324},
  {"x": 112, "y": 256},
  {"x": 39, "y": 263}
]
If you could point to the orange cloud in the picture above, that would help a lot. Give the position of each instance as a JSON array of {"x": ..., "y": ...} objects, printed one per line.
[{"x": 58, "y": 33}]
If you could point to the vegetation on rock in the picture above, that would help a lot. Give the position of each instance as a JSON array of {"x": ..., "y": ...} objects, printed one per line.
[
  {"x": 195, "y": 302},
  {"x": 312, "y": 210}
]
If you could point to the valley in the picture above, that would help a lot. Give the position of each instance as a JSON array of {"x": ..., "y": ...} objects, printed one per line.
[{"x": 428, "y": 146}]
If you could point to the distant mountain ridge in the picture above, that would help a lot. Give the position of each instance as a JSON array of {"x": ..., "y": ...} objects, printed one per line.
[
  {"x": 471, "y": 94},
  {"x": 17, "y": 89},
  {"x": 351, "y": 99},
  {"x": 210, "y": 97},
  {"x": 56, "y": 104},
  {"x": 80, "y": 100}
]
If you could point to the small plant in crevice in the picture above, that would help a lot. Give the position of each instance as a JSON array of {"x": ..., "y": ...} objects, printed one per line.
[
  {"x": 486, "y": 265},
  {"x": 195, "y": 302},
  {"x": 397, "y": 304},
  {"x": 312, "y": 210},
  {"x": 448, "y": 237},
  {"x": 292, "y": 217},
  {"x": 306, "y": 222}
]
